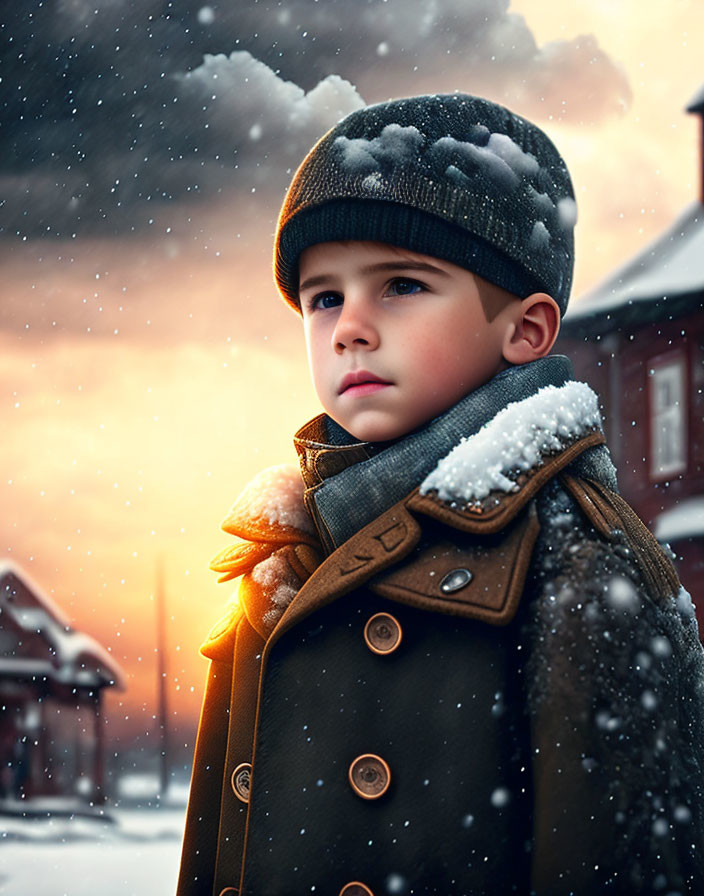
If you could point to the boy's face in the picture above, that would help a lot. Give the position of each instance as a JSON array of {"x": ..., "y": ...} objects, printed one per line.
[{"x": 395, "y": 338}]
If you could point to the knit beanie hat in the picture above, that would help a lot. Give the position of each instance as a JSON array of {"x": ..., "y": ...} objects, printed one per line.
[{"x": 452, "y": 176}]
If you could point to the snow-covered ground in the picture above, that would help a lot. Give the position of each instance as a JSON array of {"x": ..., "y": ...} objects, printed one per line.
[{"x": 136, "y": 853}]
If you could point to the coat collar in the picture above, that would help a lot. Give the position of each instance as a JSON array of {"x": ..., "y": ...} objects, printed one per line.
[
  {"x": 336, "y": 468},
  {"x": 480, "y": 486},
  {"x": 382, "y": 544}
]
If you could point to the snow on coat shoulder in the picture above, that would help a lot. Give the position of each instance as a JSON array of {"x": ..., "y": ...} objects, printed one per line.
[
  {"x": 271, "y": 501},
  {"x": 513, "y": 441},
  {"x": 269, "y": 512},
  {"x": 270, "y": 518}
]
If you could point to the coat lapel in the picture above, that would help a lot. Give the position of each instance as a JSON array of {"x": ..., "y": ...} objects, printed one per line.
[
  {"x": 382, "y": 543},
  {"x": 499, "y": 507},
  {"x": 394, "y": 534}
]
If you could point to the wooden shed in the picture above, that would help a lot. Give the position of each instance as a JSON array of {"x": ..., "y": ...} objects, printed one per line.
[
  {"x": 52, "y": 679},
  {"x": 638, "y": 338}
]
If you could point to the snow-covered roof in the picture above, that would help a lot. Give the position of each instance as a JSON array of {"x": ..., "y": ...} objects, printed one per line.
[
  {"x": 75, "y": 658},
  {"x": 663, "y": 280},
  {"x": 697, "y": 101},
  {"x": 685, "y": 520},
  {"x": 25, "y": 667}
]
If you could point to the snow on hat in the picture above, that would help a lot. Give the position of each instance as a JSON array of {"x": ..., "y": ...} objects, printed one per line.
[{"x": 453, "y": 176}]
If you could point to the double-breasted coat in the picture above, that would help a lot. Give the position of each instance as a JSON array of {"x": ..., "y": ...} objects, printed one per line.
[{"x": 497, "y": 698}]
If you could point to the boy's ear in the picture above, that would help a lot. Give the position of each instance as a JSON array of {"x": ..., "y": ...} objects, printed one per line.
[{"x": 534, "y": 329}]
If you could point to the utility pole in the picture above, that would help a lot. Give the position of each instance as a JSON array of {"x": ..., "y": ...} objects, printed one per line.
[{"x": 162, "y": 716}]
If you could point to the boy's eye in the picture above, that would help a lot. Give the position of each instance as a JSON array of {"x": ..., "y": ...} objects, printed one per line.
[
  {"x": 403, "y": 287},
  {"x": 325, "y": 300}
]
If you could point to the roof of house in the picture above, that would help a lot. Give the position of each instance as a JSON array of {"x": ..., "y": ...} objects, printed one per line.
[
  {"x": 662, "y": 281},
  {"x": 684, "y": 520},
  {"x": 696, "y": 104},
  {"x": 73, "y": 657}
]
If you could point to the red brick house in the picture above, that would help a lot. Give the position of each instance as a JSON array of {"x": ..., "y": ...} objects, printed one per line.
[
  {"x": 52, "y": 679},
  {"x": 638, "y": 338}
]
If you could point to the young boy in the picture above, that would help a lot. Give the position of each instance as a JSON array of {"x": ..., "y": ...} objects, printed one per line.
[{"x": 459, "y": 663}]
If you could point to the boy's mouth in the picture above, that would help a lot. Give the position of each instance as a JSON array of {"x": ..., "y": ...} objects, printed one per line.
[{"x": 359, "y": 382}]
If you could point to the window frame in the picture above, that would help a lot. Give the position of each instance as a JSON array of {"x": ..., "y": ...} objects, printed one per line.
[{"x": 672, "y": 362}]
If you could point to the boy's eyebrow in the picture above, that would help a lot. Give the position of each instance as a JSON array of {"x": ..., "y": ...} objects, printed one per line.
[{"x": 320, "y": 279}]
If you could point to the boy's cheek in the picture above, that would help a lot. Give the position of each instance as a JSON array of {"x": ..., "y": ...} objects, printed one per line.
[{"x": 447, "y": 361}]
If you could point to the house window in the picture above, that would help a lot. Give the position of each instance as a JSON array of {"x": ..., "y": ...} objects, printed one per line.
[{"x": 668, "y": 439}]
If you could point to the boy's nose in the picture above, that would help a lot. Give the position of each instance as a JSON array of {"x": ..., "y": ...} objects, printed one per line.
[{"x": 355, "y": 328}]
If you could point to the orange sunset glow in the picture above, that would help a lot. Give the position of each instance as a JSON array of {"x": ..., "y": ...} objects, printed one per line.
[{"x": 147, "y": 376}]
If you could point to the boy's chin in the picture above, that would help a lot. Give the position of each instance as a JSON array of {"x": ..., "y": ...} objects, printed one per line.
[{"x": 376, "y": 430}]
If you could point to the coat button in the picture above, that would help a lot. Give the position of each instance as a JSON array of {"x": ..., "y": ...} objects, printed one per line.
[
  {"x": 455, "y": 579},
  {"x": 369, "y": 776},
  {"x": 355, "y": 889},
  {"x": 240, "y": 781},
  {"x": 382, "y": 633}
]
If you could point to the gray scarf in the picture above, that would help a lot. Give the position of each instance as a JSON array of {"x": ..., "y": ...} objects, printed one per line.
[{"x": 349, "y": 483}]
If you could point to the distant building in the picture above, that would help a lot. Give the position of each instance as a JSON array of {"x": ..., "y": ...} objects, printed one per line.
[
  {"x": 51, "y": 683},
  {"x": 638, "y": 338}
]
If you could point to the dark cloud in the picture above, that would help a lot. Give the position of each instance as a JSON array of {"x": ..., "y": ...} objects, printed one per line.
[
  {"x": 384, "y": 47},
  {"x": 113, "y": 106}
]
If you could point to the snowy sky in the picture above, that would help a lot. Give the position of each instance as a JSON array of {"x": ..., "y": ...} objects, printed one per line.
[{"x": 147, "y": 370}]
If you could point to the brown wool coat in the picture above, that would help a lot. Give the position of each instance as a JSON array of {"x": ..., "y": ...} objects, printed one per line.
[{"x": 514, "y": 787}]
